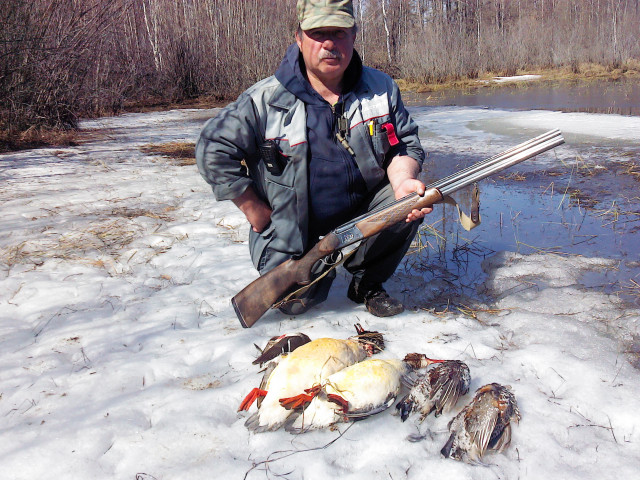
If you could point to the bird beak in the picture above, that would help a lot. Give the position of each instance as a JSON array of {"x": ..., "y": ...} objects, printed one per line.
[{"x": 420, "y": 360}]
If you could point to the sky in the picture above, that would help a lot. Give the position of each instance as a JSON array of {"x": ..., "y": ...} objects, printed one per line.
[{"x": 121, "y": 356}]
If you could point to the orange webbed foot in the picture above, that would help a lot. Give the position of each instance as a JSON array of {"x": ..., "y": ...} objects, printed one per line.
[
  {"x": 250, "y": 398},
  {"x": 300, "y": 401},
  {"x": 338, "y": 400}
]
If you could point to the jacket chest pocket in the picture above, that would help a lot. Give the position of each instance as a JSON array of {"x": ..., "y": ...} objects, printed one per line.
[
  {"x": 286, "y": 129},
  {"x": 377, "y": 131},
  {"x": 381, "y": 143},
  {"x": 277, "y": 163}
]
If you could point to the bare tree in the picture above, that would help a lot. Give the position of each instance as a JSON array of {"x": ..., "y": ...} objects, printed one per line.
[{"x": 61, "y": 59}]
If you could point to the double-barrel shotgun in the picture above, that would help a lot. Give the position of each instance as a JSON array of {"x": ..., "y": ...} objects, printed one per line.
[{"x": 266, "y": 291}]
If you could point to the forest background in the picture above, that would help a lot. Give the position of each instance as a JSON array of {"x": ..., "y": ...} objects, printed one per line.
[{"x": 61, "y": 60}]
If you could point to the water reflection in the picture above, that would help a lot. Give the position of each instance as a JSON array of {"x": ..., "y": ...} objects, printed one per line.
[
  {"x": 584, "y": 199},
  {"x": 596, "y": 96},
  {"x": 525, "y": 219}
]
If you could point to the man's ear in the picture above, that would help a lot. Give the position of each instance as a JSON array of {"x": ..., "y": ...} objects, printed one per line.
[{"x": 299, "y": 39}]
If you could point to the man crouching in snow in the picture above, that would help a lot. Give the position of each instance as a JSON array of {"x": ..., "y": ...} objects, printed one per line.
[{"x": 324, "y": 140}]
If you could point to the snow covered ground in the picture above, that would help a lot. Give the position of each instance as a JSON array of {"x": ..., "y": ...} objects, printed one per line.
[
  {"x": 121, "y": 356},
  {"x": 516, "y": 78}
]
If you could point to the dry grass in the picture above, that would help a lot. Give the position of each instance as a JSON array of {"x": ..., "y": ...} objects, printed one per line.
[
  {"x": 201, "y": 383},
  {"x": 158, "y": 104},
  {"x": 515, "y": 176},
  {"x": 631, "y": 168},
  {"x": 581, "y": 199},
  {"x": 583, "y": 71},
  {"x": 12, "y": 140},
  {"x": 632, "y": 288},
  {"x": 630, "y": 68},
  {"x": 426, "y": 233},
  {"x": 584, "y": 169},
  {"x": 180, "y": 153},
  {"x": 107, "y": 236},
  {"x": 472, "y": 312},
  {"x": 588, "y": 71},
  {"x": 127, "y": 212},
  {"x": 458, "y": 84}
]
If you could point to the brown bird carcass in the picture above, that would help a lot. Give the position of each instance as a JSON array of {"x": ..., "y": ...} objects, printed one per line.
[
  {"x": 438, "y": 390},
  {"x": 484, "y": 424}
]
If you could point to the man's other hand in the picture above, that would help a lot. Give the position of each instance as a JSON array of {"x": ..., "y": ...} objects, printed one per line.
[
  {"x": 407, "y": 187},
  {"x": 255, "y": 210}
]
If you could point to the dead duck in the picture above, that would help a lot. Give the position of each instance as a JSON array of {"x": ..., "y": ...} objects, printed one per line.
[
  {"x": 353, "y": 393},
  {"x": 309, "y": 364},
  {"x": 276, "y": 348},
  {"x": 484, "y": 424},
  {"x": 438, "y": 390}
]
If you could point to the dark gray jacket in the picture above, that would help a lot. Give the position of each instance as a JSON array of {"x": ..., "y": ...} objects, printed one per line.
[{"x": 268, "y": 110}]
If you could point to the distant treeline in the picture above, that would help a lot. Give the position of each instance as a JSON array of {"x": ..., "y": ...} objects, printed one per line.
[{"x": 62, "y": 59}]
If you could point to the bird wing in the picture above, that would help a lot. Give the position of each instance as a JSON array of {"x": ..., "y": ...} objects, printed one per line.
[
  {"x": 449, "y": 392},
  {"x": 370, "y": 409},
  {"x": 449, "y": 396},
  {"x": 280, "y": 345},
  {"x": 480, "y": 423},
  {"x": 503, "y": 440},
  {"x": 409, "y": 379},
  {"x": 448, "y": 384}
]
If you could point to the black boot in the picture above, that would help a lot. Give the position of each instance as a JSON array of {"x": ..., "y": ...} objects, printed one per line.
[{"x": 374, "y": 297}]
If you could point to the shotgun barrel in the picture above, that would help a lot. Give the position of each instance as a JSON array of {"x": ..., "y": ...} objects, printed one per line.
[
  {"x": 350, "y": 232},
  {"x": 501, "y": 164},
  {"x": 485, "y": 164}
]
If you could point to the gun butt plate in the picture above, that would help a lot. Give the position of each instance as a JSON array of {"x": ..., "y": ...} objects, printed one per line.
[{"x": 239, "y": 314}]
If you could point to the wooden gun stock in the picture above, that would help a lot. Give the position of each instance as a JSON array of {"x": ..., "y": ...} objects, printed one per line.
[
  {"x": 264, "y": 292},
  {"x": 258, "y": 297}
]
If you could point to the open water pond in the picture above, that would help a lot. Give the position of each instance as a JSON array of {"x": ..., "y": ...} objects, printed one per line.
[
  {"x": 582, "y": 198},
  {"x": 595, "y": 96}
]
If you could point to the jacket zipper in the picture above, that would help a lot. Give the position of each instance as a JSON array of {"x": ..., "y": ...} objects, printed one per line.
[{"x": 339, "y": 120}]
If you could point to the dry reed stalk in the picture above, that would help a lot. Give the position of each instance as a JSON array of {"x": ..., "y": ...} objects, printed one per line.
[
  {"x": 632, "y": 289},
  {"x": 232, "y": 232},
  {"x": 613, "y": 212},
  {"x": 182, "y": 153},
  {"x": 633, "y": 169},
  {"x": 515, "y": 176},
  {"x": 421, "y": 241}
]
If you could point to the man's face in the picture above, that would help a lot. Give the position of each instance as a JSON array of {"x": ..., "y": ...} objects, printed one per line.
[{"x": 327, "y": 51}]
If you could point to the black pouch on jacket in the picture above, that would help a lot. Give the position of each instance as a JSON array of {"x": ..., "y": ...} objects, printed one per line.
[{"x": 271, "y": 157}]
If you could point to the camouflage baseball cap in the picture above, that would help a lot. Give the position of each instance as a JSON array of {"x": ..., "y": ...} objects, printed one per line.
[{"x": 325, "y": 13}]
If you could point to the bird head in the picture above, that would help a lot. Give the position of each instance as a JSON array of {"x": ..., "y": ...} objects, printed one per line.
[
  {"x": 419, "y": 360},
  {"x": 373, "y": 342}
]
